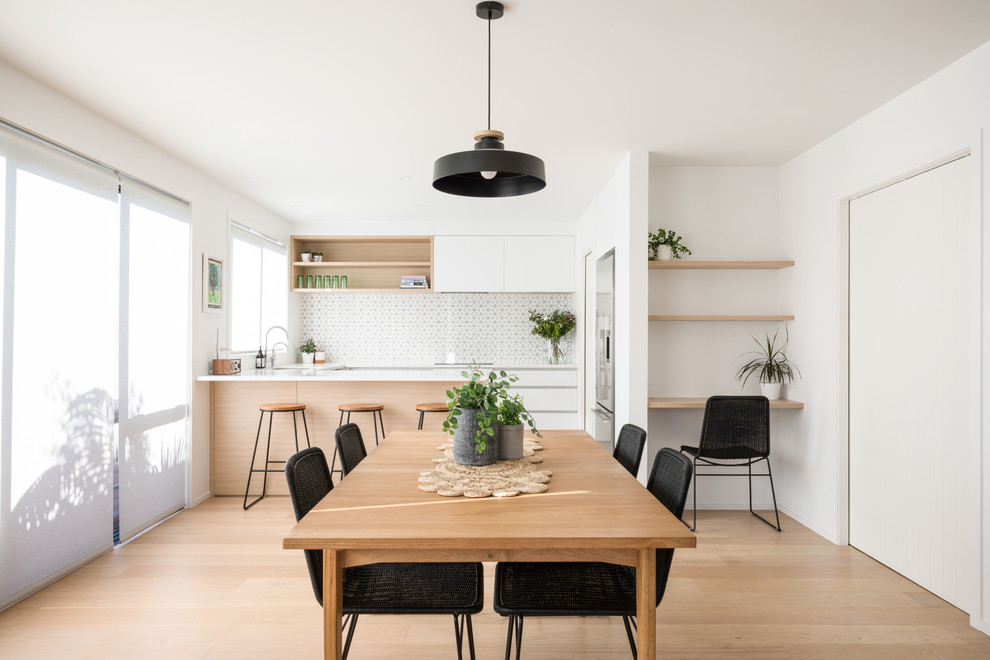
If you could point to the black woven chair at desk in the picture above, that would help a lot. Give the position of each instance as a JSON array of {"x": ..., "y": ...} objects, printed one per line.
[
  {"x": 386, "y": 588},
  {"x": 734, "y": 433},
  {"x": 350, "y": 446},
  {"x": 589, "y": 588}
]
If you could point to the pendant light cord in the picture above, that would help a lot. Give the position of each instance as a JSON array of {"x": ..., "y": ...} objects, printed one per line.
[{"x": 489, "y": 70}]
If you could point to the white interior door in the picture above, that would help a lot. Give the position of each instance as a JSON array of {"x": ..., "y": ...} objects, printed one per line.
[{"x": 914, "y": 380}]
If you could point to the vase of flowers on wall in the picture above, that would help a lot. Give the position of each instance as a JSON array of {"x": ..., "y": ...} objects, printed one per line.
[{"x": 552, "y": 327}]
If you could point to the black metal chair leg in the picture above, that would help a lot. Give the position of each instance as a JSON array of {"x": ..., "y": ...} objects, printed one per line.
[
  {"x": 519, "y": 626},
  {"x": 629, "y": 634},
  {"x": 459, "y": 636},
  {"x": 350, "y": 635},
  {"x": 305, "y": 427},
  {"x": 422, "y": 414},
  {"x": 268, "y": 454},
  {"x": 694, "y": 508},
  {"x": 251, "y": 468},
  {"x": 295, "y": 430},
  {"x": 772, "y": 494},
  {"x": 470, "y": 636},
  {"x": 333, "y": 461}
]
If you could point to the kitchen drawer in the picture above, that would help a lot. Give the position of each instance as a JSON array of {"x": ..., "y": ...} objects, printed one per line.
[
  {"x": 544, "y": 377},
  {"x": 546, "y": 421},
  {"x": 548, "y": 398}
]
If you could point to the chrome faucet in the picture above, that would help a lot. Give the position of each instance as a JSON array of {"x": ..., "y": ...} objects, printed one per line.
[
  {"x": 271, "y": 361},
  {"x": 285, "y": 343}
]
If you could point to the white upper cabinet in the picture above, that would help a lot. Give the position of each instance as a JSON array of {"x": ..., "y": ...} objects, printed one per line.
[
  {"x": 539, "y": 264},
  {"x": 468, "y": 263},
  {"x": 495, "y": 264}
]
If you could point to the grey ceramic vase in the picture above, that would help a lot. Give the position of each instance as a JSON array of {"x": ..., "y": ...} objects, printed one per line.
[
  {"x": 465, "y": 452},
  {"x": 510, "y": 442}
]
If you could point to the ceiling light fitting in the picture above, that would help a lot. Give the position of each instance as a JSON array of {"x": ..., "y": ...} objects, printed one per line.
[{"x": 489, "y": 170}]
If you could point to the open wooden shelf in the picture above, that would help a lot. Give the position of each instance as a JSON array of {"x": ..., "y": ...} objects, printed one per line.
[
  {"x": 683, "y": 264},
  {"x": 372, "y": 264},
  {"x": 691, "y": 403},
  {"x": 359, "y": 290},
  {"x": 721, "y": 317}
]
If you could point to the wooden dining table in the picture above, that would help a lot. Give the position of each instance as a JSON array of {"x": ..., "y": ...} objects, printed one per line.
[{"x": 593, "y": 510}]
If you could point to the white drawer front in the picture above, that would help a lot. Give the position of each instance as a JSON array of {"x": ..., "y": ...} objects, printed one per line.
[{"x": 545, "y": 377}]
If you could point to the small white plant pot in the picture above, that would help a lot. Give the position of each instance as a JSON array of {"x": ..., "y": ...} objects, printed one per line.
[
  {"x": 665, "y": 253},
  {"x": 770, "y": 390},
  {"x": 308, "y": 358},
  {"x": 305, "y": 256}
]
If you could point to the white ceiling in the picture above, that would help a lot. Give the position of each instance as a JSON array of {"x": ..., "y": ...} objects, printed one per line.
[{"x": 322, "y": 110}]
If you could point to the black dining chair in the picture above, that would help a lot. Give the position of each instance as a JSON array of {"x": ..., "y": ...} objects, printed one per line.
[
  {"x": 350, "y": 446},
  {"x": 735, "y": 433},
  {"x": 590, "y": 588},
  {"x": 386, "y": 588},
  {"x": 629, "y": 447}
]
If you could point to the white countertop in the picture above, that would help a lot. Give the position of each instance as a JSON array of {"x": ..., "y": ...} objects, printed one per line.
[{"x": 339, "y": 372}]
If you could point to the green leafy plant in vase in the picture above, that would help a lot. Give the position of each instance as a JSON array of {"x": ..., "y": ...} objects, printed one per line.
[
  {"x": 770, "y": 363},
  {"x": 472, "y": 415},
  {"x": 511, "y": 415},
  {"x": 666, "y": 244},
  {"x": 308, "y": 350},
  {"x": 552, "y": 327}
]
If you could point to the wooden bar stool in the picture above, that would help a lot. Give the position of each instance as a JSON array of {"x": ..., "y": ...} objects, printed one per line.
[
  {"x": 424, "y": 408},
  {"x": 376, "y": 419},
  {"x": 271, "y": 409}
]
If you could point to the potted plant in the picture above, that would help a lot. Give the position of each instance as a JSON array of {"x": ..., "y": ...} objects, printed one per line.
[
  {"x": 316, "y": 256},
  {"x": 772, "y": 365},
  {"x": 305, "y": 255},
  {"x": 552, "y": 327},
  {"x": 511, "y": 414},
  {"x": 308, "y": 350},
  {"x": 472, "y": 415},
  {"x": 665, "y": 245}
]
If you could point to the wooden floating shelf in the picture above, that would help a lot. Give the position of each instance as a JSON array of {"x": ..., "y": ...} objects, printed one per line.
[
  {"x": 363, "y": 264},
  {"x": 722, "y": 317},
  {"x": 692, "y": 403},
  {"x": 359, "y": 290},
  {"x": 681, "y": 264}
]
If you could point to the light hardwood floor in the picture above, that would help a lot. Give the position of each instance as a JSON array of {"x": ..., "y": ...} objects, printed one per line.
[{"x": 213, "y": 582}]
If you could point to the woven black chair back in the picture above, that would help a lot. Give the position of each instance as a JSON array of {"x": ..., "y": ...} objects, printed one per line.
[
  {"x": 350, "y": 447},
  {"x": 736, "y": 427},
  {"x": 308, "y": 476},
  {"x": 629, "y": 447},
  {"x": 669, "y": 482}
]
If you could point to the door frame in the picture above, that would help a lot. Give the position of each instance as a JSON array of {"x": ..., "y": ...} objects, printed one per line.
[{"x": 968, "y": 145}]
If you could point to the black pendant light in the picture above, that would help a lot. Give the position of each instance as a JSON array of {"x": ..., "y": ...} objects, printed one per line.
[{"x": 489, "y": 170}]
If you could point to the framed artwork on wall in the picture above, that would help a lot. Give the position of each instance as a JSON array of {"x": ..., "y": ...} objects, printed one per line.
[{"x": 212, "y": 284}]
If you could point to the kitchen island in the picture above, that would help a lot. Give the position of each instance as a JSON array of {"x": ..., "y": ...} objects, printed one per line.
[{"x": 549, "y": 391}]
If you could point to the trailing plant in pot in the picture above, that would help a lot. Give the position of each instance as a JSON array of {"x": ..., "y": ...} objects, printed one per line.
[
  {"x": 308, "y": 350},
  {"x": 472, "y": 415},
  {"x": 665, "y": 244},
  {"x": 770, "y": 363},
  {"x": 552, "y": 327},
  {"x": 511, "y": 414}
]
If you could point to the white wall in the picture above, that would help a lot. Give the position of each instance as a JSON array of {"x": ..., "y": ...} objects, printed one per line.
[
  {"x": 723, "y": 213},
  {"x": 617, "y": 218},
  {"x": 924, "y": 122},
  {"x": 38, "y": 108}
]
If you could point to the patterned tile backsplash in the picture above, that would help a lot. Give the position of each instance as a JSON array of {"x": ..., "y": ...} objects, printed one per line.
[{"x": 423, "y": 328}]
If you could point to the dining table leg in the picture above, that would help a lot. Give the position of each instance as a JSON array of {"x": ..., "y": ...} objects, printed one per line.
[
  {"x": 333, "y": 605},
  {"x": 646, "y": 604}
]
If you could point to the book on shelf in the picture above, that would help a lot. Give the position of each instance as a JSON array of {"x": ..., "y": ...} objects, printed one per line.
[{"x": 413, "y": 282}]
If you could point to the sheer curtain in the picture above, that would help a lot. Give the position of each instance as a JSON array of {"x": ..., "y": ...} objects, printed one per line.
[
  {"x": 59, "y": 382},
  {"x": 96, "y": 304},
  {"x": 152, "y": 444}
]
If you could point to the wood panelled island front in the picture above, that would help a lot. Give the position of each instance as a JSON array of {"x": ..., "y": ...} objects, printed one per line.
[{"x": 234, "y": 413}]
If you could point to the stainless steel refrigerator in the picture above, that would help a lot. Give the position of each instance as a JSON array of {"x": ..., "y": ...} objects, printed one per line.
[{"x": 604, "y": 409}]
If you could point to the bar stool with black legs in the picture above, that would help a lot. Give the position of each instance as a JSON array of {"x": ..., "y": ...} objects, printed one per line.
[
  {"x": 376, "y": 420},
  {"x": 424, "y": 408},
  {"x": 271, "y": 409}
]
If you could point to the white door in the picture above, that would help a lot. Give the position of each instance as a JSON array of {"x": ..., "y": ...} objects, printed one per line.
[{"x": 914, "y": 380}]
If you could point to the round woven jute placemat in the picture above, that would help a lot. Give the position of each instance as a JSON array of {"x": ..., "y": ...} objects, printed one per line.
[{"x": 501, "y": 479}]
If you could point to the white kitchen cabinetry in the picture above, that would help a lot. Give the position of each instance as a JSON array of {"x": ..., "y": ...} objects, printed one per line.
[
  {"x": 537, "y": 264},
  {"x": 550, "y": 396},
  {"x": 497, "y": 264},
  {"x": 468, "y": 263}
]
